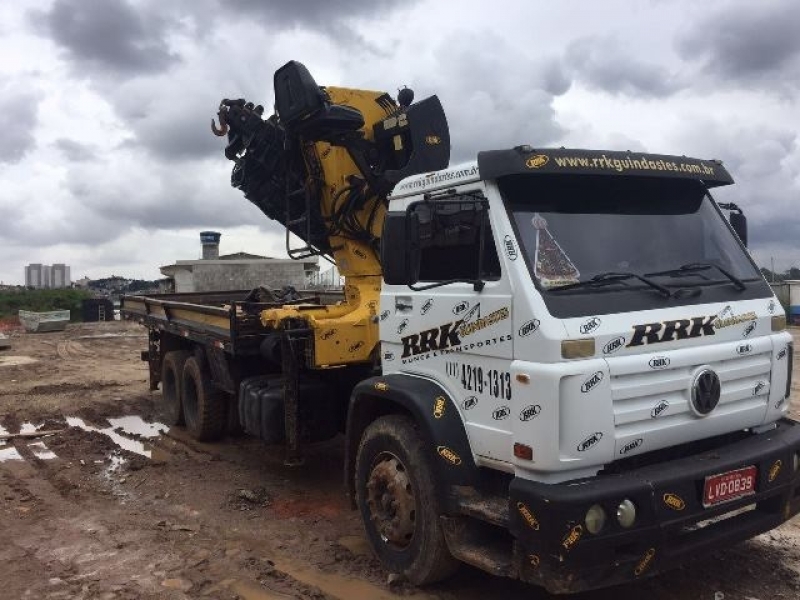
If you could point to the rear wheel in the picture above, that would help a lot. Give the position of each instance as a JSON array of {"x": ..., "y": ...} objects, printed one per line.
[
  {"x": 171, "y": 409},
  {"x": 204, "y": 406},
  {"x": 396, "y": 495}
]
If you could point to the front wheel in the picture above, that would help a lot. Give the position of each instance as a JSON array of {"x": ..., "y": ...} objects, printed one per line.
[{"x": 396, "y": 495}]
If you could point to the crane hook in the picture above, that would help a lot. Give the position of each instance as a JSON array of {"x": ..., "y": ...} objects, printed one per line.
[{"x": 223, "y": 125}]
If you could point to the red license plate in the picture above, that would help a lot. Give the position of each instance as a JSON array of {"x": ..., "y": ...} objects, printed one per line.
[{"x": 729, "y": 486}]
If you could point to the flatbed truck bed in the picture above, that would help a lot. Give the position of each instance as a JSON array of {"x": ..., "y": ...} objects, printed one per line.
[{"x": 227, "y": 321}]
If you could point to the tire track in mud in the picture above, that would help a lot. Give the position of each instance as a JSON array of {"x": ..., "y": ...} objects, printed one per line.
[
  {"x": 30, "y": 497},
  {"x": 71, "y": 546}
]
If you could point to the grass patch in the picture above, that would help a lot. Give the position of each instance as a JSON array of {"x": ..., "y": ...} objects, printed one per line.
[{"x": 11, "y": 302}]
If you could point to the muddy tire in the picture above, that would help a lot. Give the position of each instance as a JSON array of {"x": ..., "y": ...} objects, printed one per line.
[
  {"x": 204, "y": 406},
  {"x": 396, "y": 495},
  {"x": 171, "y": 408}
]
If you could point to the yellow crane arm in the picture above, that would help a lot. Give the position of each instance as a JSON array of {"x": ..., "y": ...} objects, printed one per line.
[{"x": 323, "y": 166}]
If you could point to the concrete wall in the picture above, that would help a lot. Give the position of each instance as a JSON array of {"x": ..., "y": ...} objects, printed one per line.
[
  {"x": 212, "y": 276},
  {"x": 184, "y": 282}
]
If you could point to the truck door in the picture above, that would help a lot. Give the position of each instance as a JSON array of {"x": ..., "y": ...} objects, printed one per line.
[{"x": 458, "y": 333}]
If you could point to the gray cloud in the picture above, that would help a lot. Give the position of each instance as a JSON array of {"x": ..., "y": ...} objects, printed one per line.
[
  {"x": 109, "y": 35},
  {"x": 190, "y": 195},
  {"x": 764, "y": 165},
  {"x": 311, "y": 14},
  {"x": 125, "y": 159},
  {"x": 107, "y": 198},
  {"x": 20, "y": 117},
  {"x": 75, "y": 151},
  {"x": 486, "y": 107},
  {"x": 555, "y": 79},
  {"x": 603, "y": 63},
  {"x": 741, "y": 43},
  {"x": 180, "y": 135}
]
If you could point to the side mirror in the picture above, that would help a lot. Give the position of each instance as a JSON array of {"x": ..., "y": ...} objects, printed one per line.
[
  {"x": 739, "y": 224},
  {"x": 400, "y": 254}
]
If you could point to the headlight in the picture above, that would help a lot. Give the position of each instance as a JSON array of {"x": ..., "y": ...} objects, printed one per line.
[
  {"x": 626, "y": 513},
  {"x": 595, "y": 519}
]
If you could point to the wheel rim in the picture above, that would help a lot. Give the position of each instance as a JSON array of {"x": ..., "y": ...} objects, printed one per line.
[{"x": 391, "y": 502}]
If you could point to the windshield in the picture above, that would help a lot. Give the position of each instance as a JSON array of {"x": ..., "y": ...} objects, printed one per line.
[{"x": 617, "y": 237}]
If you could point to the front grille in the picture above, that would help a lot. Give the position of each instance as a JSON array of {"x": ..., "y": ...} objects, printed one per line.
[{"x": 654, "y": 404}]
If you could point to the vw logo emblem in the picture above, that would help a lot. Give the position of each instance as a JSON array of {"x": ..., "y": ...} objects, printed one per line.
[{"x": 705, "y": 391}]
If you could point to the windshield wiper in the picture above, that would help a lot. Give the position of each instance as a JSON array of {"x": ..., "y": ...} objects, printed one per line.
[
  {"x": 610, "y": 278},
  {"x": 692, "y": 268}
]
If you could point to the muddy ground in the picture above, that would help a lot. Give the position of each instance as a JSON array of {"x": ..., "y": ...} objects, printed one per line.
[{"x": 165, "y": 517}]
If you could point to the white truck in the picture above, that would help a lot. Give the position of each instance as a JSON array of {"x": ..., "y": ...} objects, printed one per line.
[
  {"x": 596, "y": 332},
  {"x": 556, "y": 365}
]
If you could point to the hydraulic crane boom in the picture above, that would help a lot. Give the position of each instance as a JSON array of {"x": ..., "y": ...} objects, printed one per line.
[{"x": 323, "y": 165}]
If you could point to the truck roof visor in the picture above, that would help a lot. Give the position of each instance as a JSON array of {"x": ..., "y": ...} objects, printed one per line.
[{"x": 494, "y": 164}]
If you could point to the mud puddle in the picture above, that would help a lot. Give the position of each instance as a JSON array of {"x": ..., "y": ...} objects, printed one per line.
[
  {"x": 251, "y": 591},
  {"x": 131, "y": 425},
  {"x": 343, "y": 587},
  {"x": 15, "y": 361},
  {"x": 41, "y": 451},
  {"x": 7, "y": 454},
  {"x": 100, "y": 336},
  {"x": 331, "y": 584},
  {"x": 38, "y": 448},
  {"x": 28, "y": 427}
]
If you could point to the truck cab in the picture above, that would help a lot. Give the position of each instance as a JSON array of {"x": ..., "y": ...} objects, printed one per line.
[{"x": 600, "y": 331}]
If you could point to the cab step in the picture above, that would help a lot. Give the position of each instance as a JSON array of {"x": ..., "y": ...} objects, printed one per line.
[
  {"x": 481, "y": 545},
  {"x": 490, "y": 509}
]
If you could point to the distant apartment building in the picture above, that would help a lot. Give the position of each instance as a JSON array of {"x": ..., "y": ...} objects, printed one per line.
[
  {"x": 33, "y": 276},
  {"x": 59, "y": 276},
  {"x": 41, "y": 276}
]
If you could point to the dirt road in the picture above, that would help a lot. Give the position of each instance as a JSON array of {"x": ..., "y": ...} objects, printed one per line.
[{"x": 115, "y": 506}]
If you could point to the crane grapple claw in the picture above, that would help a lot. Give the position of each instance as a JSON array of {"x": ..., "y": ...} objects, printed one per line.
[{"x": 223, "y": 125}]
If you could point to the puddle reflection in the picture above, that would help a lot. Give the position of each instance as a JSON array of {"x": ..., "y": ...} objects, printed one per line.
[{"x": 132, "y": 425}]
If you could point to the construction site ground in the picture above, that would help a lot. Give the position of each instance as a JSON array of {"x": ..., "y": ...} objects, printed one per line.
[{"x": 113, "y": 505}]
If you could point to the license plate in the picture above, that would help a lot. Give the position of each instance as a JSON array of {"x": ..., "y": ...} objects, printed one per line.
[{"x": 729, "y": 486}]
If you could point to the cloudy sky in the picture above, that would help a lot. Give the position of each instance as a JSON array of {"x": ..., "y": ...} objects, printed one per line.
[{"x": 107, "y": 162}]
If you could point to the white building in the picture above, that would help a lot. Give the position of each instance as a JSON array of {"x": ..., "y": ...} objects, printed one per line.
[
  {"x": 59, "y": 276},
  {"x": 39, "y": 276},
  {"x": 33, "y": 276}
]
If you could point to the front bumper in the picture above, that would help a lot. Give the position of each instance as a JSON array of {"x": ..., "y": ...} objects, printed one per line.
[{"x": 554, "y": 549}]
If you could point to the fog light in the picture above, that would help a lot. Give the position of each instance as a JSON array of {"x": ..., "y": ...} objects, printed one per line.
[
  {"x": 595, "y": 519},
  {"x": 626, "y": 513}
]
